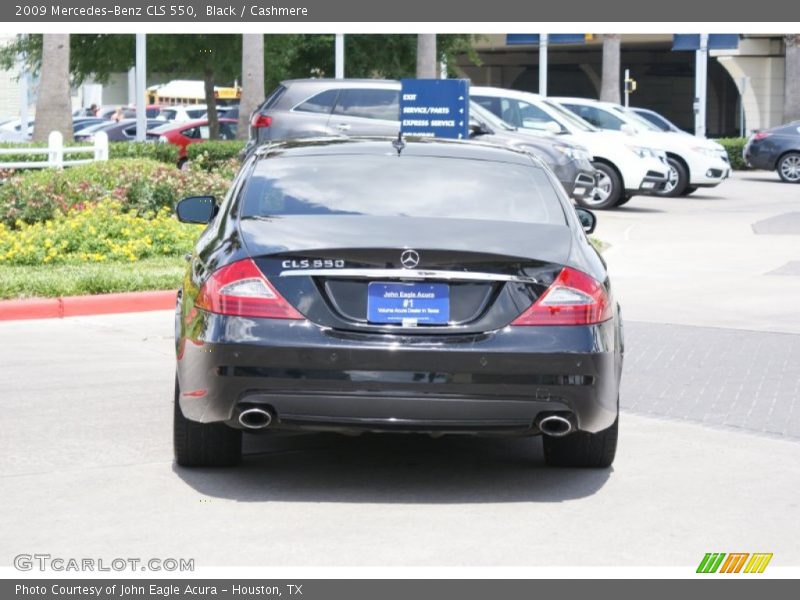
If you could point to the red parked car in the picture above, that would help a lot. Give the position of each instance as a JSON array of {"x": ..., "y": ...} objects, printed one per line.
[{"x": 190, "y": 132}]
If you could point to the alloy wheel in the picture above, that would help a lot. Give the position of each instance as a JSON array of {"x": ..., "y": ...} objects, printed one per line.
[{"x": 790, "y": 168}]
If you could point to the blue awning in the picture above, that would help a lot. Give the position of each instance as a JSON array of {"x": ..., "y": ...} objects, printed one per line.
[
  {"x": 716, "y": 41},
  {"x": 513, "y": 39}
]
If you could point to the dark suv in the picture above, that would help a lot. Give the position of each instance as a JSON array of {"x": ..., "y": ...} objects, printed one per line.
[{"x": 303, "y": 108}]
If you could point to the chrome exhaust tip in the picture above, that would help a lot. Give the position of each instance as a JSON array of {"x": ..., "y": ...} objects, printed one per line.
[
  {"x": 555, "y": 426},
  {"x": 255, "y": 418}
]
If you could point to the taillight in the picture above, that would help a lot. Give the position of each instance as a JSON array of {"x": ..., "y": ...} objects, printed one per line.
[
  {"x": 240, "y": 289},
  {"x": 761, "y": 135},
  {"x": 258, "y": 121},
  {"x": 574, "y": 298}
]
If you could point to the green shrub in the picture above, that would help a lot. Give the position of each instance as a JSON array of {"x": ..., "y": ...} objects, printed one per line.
[
  {"x": 734, "y": 147},
  {"x": 211, "y": 155},
  {"x": 166, "y": 153},
  {"x": 139, "y": 184}
]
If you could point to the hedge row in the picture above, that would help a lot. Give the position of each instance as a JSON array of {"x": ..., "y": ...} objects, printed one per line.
[
  {"x": 166, "y": 153},
  {"x": 212, "y": 155},
  {"x": 734, "y": 147},
  {"x": 139, "y": 184}
]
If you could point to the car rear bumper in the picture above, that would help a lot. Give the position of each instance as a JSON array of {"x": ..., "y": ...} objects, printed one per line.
[
  {"x": 315, "y": 378},
  {"x": 757, "y": 157}
]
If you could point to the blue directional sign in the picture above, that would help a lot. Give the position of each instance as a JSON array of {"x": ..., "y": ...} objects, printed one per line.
[{"x": 435, "y": 108}]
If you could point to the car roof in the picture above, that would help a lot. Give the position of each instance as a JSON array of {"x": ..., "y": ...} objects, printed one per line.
[
  {"x": 498, "y": 92},
  {"x": 184, "y": 106},
  {"x": 326, "y": 82},
  {"x": 168, "y": 126},
  {"x": 586, "y": 101},
  {"x": 381, "y": 146}
]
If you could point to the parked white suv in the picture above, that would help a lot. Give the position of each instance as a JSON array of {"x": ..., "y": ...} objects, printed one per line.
[
  {"x": 626, "y": 166},
  {"x": 694, "y": 162},
  {"x": 182, "y": 113}
]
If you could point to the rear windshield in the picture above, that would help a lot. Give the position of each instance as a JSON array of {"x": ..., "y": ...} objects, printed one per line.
[{"x": 409, "y": 186}]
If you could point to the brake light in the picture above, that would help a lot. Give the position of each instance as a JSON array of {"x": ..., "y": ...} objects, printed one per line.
[
  {"x": 761, "y": 135},
  {"x": 259, "y": 121},
  {"x": 574, "y": 298},
  {"x": 240, "y": 289}
]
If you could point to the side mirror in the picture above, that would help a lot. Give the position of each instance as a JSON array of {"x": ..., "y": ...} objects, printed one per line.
[
  {"x": 196, "y": 209},
  {"x": 587, "y": 218},
  {"x": 477, "y": 128},
  {"x": 628, "y": 129}
]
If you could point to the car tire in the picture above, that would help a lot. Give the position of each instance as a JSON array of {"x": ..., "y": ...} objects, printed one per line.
[
  {"x": 624, "y": 199},
  {"x": 690, "y": 190},
  {"x": 677, "y": 181},
  {"x": 582, "y": 449},
  {"x": 204, "y": 444},
  {"x": 608, "y": 190},
  {"x": 789, "y": 167}
]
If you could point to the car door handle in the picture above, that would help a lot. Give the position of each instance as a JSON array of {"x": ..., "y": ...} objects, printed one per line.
[{"x": 343, "y": 127}]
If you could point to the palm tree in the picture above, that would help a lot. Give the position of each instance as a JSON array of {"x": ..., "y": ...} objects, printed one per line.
[
  {"x": 791, "y": 90},
  {"x": 609, "y": 88},
  {"x": 54, "y": 102},
  {"x": 252, "y": 80},
  {"x": 426, "y": 56}
]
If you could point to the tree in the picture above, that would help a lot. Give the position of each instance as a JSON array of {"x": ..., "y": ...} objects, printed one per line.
[
  {"x": 791, "y": 90},
  {"x": 609, "y": 88},
  {"x": 426, "y": 56},
  {"x": 54, "y": 102},
  {"x": 217, "y": 58},
  {"x": 252, "y": 80},
  {"x": 214, "y": 58}
]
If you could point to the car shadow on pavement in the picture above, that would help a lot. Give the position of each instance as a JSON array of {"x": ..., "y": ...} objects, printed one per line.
[
  {"x": 637, "y": 209},
  {"x": 773, "y": 179},
  {"x": 402, "y": 469}
]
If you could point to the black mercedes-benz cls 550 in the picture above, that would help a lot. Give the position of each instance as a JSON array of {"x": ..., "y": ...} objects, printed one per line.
[{"x": 384, "y": 285}]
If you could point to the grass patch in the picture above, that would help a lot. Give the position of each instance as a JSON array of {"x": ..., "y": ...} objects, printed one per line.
[
  {"x": 599, "y": 245},
  {"x": 160, "y": 273}
]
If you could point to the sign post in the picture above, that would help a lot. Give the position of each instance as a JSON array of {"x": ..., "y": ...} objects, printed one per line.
[
  {"x": 701, "y": 86},
  {"x": 435, "y": 108},
  {"x": 339, "y": 51},
  {"x": 141, "y": 87},
  {"x": 543, "y": 41}
]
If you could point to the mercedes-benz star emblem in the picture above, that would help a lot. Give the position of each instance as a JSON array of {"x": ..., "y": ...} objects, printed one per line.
[{"x": 409, "y": 259}]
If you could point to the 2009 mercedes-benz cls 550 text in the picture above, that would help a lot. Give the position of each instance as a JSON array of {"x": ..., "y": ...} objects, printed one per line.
[{"x": 385, "y": 285}]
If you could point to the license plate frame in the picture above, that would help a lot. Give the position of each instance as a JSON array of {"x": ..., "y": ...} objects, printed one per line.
[{"x": 408, "y": 303}]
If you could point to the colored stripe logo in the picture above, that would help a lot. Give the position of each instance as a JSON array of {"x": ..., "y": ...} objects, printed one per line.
[{"x": 734, "y": 562}]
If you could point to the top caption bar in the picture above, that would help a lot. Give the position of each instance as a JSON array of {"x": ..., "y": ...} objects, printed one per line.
[{"x": 465, "y": 11}]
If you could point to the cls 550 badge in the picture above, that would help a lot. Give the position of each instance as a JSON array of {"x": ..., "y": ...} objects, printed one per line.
[{"x": 313, "y": 264}]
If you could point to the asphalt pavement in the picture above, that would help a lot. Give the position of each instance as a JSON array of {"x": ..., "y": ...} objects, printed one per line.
[{"x": 709, "y": 455}]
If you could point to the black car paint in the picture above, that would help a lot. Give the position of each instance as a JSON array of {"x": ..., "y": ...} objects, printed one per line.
[
  {"x": 334, "y": 372},
  {"x": 765, "y": 153}
]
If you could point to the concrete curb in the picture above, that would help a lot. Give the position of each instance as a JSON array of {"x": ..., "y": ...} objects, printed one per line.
[{"x": 73, "y": 306}]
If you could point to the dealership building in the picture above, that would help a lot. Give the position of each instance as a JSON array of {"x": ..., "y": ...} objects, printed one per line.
[{"x": 743, "y": 71}]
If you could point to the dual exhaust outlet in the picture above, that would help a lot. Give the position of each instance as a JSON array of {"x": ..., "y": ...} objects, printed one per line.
[
  {"x": 261, "y": 418},
  {"x": 556, "y": 426}
]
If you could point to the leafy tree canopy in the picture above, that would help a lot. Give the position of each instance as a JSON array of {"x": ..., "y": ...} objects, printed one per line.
[{"x": 97, "y": 56}]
